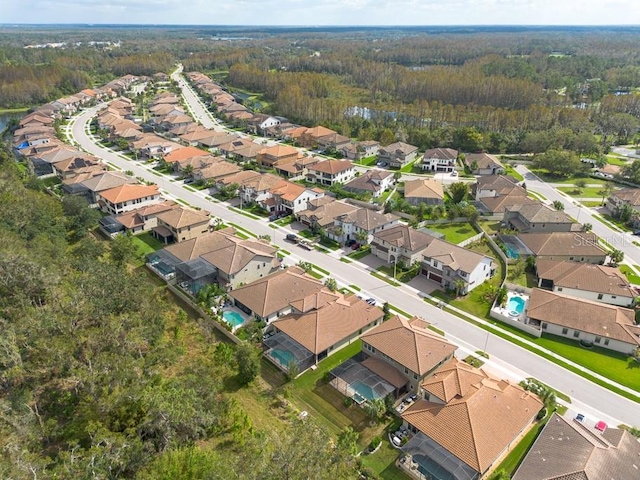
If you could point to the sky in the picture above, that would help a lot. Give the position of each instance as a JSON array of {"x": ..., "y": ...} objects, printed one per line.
[{"x": 323, "y": 12}]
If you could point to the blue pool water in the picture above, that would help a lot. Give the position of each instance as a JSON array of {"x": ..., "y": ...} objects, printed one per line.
[
  {"x": 516, "y": 304},
  {"x": 512, "y": 252},
  {"x": 431, "y": 469},
  {"x": 284, "y": 357},
  {"x": 233, "y": 318},
  {"x": 364, "y": 390}
]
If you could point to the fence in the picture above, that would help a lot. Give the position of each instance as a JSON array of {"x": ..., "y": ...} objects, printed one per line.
[
  {"x": 515, "y": 323},
  {"x": 471, "y": 240},
  {"x": 517, "y": 288}
]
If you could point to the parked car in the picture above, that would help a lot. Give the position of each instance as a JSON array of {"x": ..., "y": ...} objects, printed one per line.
[
  {"x": 306, "y": 244},
  {"x": 292, "y": 237},
  {"x": 454, "y": 173},
  {"x": 371, "y": 301},
  {"x": 273, "y": 217}
]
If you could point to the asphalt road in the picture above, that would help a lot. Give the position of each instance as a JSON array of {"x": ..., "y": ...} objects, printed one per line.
[
  {"x": 621, "y": 241},
  {"x": 507, "y": 359}
]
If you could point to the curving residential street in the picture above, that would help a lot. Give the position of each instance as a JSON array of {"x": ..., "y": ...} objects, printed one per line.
[{"x": 507, "y": 359}]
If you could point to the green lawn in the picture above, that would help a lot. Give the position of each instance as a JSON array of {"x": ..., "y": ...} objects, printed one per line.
[
  {"x": 586, "y": 192},
  {"x": 244, "y": 212},
  {"x": 403, "y": 275},
  {"x": 308, "y": 234},
  {"x": 383, "y": 462},
  {"x": 283, "y": 222},
  {"x": 490, "y": 227},
  {"x": 509, "y": 170},
  {"x": 390, "y": 281},
  {"x": 408, "y": 168},
  {"x": 536, "y": 196},
  {"x": 360, "y": 253},
  {"x": 613, "y": 159},
  {"x": 242, "y": 229},
  {"x": 368, "y": 161},
  {"x": 515, "y": 456},
  {"x": 145, "y": 244},
  {"x": 591, "y": 204},
  {"x": 526, "y": 279},
  {"x": 631, "y": 276},
  {"x": 454, "y": 232}
]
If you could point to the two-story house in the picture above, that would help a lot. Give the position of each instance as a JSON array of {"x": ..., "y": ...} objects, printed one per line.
[
  {"x": 309, "y": 137},
  {"x": 333, "y": 141},
  {"x": 397, "y": 154},
  {"x": 585, "y": 280},
  {"x": 331, "y": 172},
  {"x": 439, "y": 160},
  {"x": 535, "y": 218},
  {"x": 360, "y": 225},
  {"x": 360, "y": 150},
  {"x": 448, "y": 264},
  {"x": 625, "y": 199},
  {"x": 127, "y": 197},
  {"x": 374, "y": 182},
  {"x": 289, "y": 197},
  {"x": 401, "y": 244},
  {"x": 180, "y": 224},
  {"x": 483, "y": 164},
  {"x": 321, "y": 212},
  {"x": 277, "y": 155}
]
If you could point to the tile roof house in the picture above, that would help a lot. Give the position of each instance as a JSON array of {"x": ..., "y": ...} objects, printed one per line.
[
  {"x": 296, "y": 170},
  {"x": 325, "y": 328},
  {"x": 215, "y": 170},
  {"x": 82, "y": 163},
  {"x": 273, "y": 296},
  {"x": 572, "y": 246},
  {"x": 374, "y": 182},
  {"x": 360, "y": 225},
  {"x": 439, "y": 160},
  {"x": 106, "y": 181},
  {"x": 277, "y": 155},
  {"x": 333, "y": 141},
  {"x": 258, "y": 189},
  {"x": 483, "y": 164},
  {"x": 497, "y": 204},
  {"x": 568, "y": 449},
  {"x": 127, "y": 197},
  {"x": 398, "y": 154},
  {"x": 400, "y": 243},
  {"x": 180, "y": 224},
  {"x": 360, "y": 150},
  {"x": 309, "y": 138},
  {"x": 184, "y": 153},
  {"x": 289, "y": 197},
  {"x": 585, "y": 280},
  {"x": 135, "y": 221},
  {"x": 467, "y": 421},
  {"x": 410, "y": 347},
  {"x": 587, "y": 321},
  {"x": 425, "y": 190},
  {"x": 330, "y": 172},
  {"x": 538, "y": 217},
  {"x": 494, "y": 186},
  {"x": 446, "y": 264},
  {"x": 321, "y": 212},
  {"x": 625, "y": 198}
]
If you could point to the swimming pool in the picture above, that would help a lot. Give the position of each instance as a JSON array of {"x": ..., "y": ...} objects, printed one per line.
[
  {"x": 232, "y": 318},
  {"x": 516, "y": 305},
  {"x": 364, "y": 390},
  {"x": 431, "y": 469},
  {"x": 283, "y": 357}
]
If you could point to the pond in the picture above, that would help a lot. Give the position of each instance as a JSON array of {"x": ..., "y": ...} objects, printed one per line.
[{"x": 5, "y": 118}]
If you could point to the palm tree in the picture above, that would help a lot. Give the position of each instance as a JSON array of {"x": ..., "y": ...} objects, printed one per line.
[
  {"x": 616, "y": 256},
  {"x": 558, "y": 205},
  {"x": 362, "y": 236},
  {"x": 606, "y": 191},
  {"x": 459, "y": 285}
]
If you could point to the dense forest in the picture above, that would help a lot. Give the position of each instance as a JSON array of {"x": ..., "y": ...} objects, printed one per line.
[{"x": 102, "y": 376}]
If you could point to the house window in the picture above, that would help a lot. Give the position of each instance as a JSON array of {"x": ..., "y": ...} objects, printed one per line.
[
  {"x": 559, "y": 289},
  {"x": 598, "y": 339},
  {"x": 544, "y": 326},
  {"x": 415, "y": 376},
  {"x": 613, "y": 296},
  {"x": 406, "y": 370},
  {"x": 576, "y": 334},
  {"x": 606, "y": 341},
  {"x": 570, "y": 258},
  {"x": 599, "y": 296},
  {"x": 565, "y": 331}
]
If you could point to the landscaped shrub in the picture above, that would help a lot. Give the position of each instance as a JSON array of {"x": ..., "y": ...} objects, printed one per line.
[{"x": 375, "y": 442}]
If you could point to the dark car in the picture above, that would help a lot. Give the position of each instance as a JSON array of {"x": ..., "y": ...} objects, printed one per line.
[
  {"x": 636, "y": 232},
  {"x": 292, "y": 237},
  {"x": 273, "y": 217}
]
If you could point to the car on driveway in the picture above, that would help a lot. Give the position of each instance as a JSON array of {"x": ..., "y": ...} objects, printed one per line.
[
  {"x": 371, "y": 301},
  {"x": 454, "y": 173}
]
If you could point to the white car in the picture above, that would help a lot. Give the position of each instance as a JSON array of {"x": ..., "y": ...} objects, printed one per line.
[{"x": 454, "y": 174}]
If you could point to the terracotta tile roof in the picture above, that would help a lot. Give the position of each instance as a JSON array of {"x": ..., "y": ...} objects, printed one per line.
[
  {"x": 276, "y": 292},
  {"x": 499, "y": 183},
  {"x": 484, "y": 160},
  {"x": 136, "y": 217},
  {"x": 319, "y": 131},
  {"x": 585, "y": 276},
  {"x": 332, "y": 166},
  {"x": 248, "y": 151},
  {"x": 607, "y": 321},
  {"x": 199, "y": 162},
  {"x": 127, "y": 192},
  {"x": 183, "y": 217},
  {"x": 441, "y": 154},
  {"x": 324, "y": 210},
  {"x": 195, "y": 134},
  {"x": 540, "y": 213},
  {"x": 628, "y": 195},
  {"x": 565, "y": 450},
  {"x": 232, "y": 256},
  {"x": 562, "y": 244},
  {"x": 107, "y": 180},
  {"x": 334, "y": 138},
  {"x": 478, "y": 426},
  {"x": 423, "y": 188},
  {"x": 453, "y": 379},
  {"x": 279, "y": 151},
  {"x": 410, "y": 344},
  {"x": 217, "y": 169},
  {"x": 58, "y": 154},
  {"x": 184, "y": 153},
  {"x": 240, "y": 178},
  {"x": 403, "y": 148},
  {"x": 319, "y": 329},
  {"x": 453, "y": 256},
  {"x": 501, "y": 202},
  {"x": 287, "y": 190},
  {"x": 405, "y": 237},
  {"x": 77, "y": 163}
]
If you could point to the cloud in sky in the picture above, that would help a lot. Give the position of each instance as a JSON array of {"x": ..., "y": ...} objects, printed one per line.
[{"x": 324, "y": 12}]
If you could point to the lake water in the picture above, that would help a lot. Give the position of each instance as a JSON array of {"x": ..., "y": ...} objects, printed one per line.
[{"x": 5, "y": 118}]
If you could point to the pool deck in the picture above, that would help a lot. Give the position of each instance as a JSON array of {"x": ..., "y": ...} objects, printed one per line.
[{"x": 245, "y": 319}]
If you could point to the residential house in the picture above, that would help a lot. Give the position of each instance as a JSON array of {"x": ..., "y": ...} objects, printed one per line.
[
  {"x": 321, "y": 212},
  {"x": 360, "y": 225},
  {"x": 42, "y": 163},
  {"x": 215, "y": 171},
  {"x": 36, "y": 118},
  {"x": 498, "y": 204},
  {"x": 195, "y": 163},
  {"x": 398, "y": 154},
  {"x": 333, "y": 141},
  {"x": 494, "y": 186},
  {"x": 172, "y": 121},
  {"x": 408, "y": 346},
  {"x": 184, "y": 153},
  {"x": 216, "y": 139},
  {"x": 309, "y": 138},
  {"x": 277, "y": 155},
  {"x": 258, "y": 189},
  {"x": 423, "y": 190},
  {"x": 331, "y": 172},
  {"x": 585, "y": 280},
  {"x": 455, "y": 267},
  {"x": 180, "y": 224},
  {"x": 248, "y": 153},
  {"x": 587, "y": 321},
  {"x": 127, "y": 197},
  {"x": 360, "y": 150},
  {"x": 259, "y": 123},
  {"x": 571, "y": 449},
  {"x": 536, "y": 218},
  {"x": 289, "y": 197},
  {"x": 625, "y": 199},
  {"x": 135, "y": 221},
  {"x": 105, "y": 181},
  {"x": 439, "y": 160},
  {"x": 319, "y": 326},
  {"x": 296, "y": 170},
  {"x": 483, "y": 164},
  {"x": 237, "y": 178},
  {"x": 192, "y": 136},
  {"x": 81, "y": 163},
  {"x": 374, "y": 182},
  {"x": 572, "y": 246},
  {"x": 271, "y": 297},
  {"x": 401, "y": 244},
  {"x": 466, "y": 422},
  {"x": 153, "y": 146},
  {"x": 279, "y": 131},
  {"x": 230, "y": 148}
]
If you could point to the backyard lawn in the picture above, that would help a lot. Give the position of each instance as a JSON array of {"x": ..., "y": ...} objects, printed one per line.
[
  {"x": 454, "y": 232},
  {"x": 368, "y": 161},
  {"x": 145, "y": 244},
  {"x": 383, "y": 462}
]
